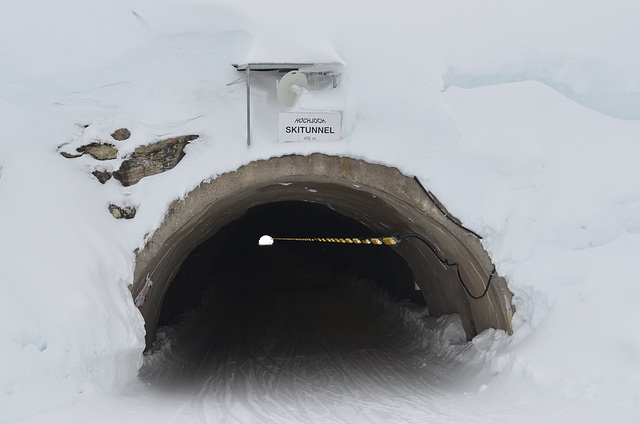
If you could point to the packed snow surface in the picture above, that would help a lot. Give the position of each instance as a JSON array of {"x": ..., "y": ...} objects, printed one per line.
[{"x": 522, "y": 117}]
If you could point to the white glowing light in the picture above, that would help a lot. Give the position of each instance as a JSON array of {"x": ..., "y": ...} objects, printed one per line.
[{"x": 265, "y": 241}]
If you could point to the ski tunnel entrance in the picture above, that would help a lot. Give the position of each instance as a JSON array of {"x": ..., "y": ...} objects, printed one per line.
[
  {"x": 209, "y": 240},
  {"x": 231, "y": 264}
]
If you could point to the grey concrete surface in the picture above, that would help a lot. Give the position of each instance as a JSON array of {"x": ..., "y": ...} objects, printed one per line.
[{"x": 379, "y": 197}]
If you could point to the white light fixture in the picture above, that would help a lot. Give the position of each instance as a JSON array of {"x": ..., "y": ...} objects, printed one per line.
[
  {"x": 265, "y": 241},
  {"x": 290, "y": 87}
]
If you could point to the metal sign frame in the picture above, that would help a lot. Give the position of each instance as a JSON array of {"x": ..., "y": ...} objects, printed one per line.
[{"x": 330, "y": 69}]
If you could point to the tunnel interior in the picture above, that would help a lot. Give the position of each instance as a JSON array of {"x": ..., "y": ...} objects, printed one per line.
[
  {"x": 232, "y": 265},
  {"x": 249, "y": 321}
]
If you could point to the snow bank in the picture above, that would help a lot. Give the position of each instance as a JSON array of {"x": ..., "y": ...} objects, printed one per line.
[
  {"x": 556, "y": 215},
  {"x": 68, "y": 323},
  {"x": 532, "y": 144}
]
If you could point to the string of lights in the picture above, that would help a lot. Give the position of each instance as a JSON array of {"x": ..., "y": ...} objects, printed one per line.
[
  {"x": 382, "y": 241},
  {"x": 377, "y": 241}
]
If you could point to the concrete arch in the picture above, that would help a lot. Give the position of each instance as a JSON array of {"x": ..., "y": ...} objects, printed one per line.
[{"x": 380, "y": 197}]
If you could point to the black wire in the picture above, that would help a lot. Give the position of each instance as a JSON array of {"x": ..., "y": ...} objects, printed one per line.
[
  {"x": 447, "y": 263},
  {"x": 443, "y": 212},
  {"x": 486, "y": 288}
]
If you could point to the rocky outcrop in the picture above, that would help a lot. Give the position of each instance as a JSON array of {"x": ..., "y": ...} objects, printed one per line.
[
  {"x": 152, "y": 159},
  {"x": 102, "y": 176},
  {"x": 100, "y": 151},
  {"x": 126, "y": 212},
  {"x": 146, "y": 160},
  {"x": 121, "y": 134}
]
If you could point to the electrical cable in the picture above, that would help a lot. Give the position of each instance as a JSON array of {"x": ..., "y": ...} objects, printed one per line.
[
  {"x": 430, "y": 196},
  {"x": 449, "y": 264}
]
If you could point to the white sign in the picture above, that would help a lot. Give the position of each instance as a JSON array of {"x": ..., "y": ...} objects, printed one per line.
[{"x": 310, "y": 126}]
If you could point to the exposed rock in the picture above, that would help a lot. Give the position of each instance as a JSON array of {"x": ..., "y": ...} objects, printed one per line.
[
  {"x": 126, "y": 212},
  {"x": 99, "y": 151},
  {"x": 121, "y": 134},
  {"x": 102, "y": 176},
  {"x": 71, "y": 155},
  {"x": 152, "y": 159}
]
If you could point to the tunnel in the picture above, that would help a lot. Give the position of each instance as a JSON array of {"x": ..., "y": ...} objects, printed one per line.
[
  {"x": 231, "y": 261},
  {"x": 208, "y": 241}
]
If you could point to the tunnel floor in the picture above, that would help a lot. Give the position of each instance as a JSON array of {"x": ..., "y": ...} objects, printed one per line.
[{"x": 331, "y": 346}]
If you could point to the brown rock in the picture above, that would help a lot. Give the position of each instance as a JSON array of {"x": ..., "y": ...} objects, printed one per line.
[
  {"x": 99, "y": 151},
  {"x": 121, "y": 134},
  {"x": 71, "y": 155},
  {"x": 119, "y": 212},
  {"x": 152, "y": 159},
  {"x": 102, "y": 176}
]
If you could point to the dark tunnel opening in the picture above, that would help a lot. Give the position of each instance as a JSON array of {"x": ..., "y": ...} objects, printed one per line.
[
  {"x": 240, "y": 324},
  {"x": 209, "y": 231},
  {"x": 232, "y": 265},
  {"x": 262, "y": 320},
  {"x": 312, "y": 310}
]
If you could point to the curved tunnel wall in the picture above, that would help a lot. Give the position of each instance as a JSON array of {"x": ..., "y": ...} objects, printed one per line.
[{"x": 379, "y": 197}]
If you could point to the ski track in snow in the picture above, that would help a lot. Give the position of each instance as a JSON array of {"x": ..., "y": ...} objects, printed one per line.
[
  {"x": 337, "y": 353},
  {"x": 327, "y": 355}
]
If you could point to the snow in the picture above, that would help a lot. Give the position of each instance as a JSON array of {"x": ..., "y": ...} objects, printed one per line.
[{"x": 522, "y": 117}]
